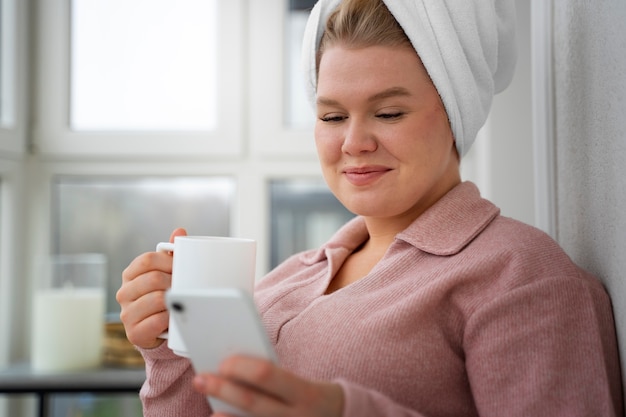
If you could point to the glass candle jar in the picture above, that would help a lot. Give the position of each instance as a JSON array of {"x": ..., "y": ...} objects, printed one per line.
[{"x": 69, "y": 312}]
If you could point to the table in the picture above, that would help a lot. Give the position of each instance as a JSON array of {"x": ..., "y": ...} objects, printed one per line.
[{"x": 21, "y": 379}]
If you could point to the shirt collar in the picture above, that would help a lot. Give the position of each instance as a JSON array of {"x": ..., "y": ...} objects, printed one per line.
[
  {"x": 452, "y": 222},
  {"x": 444, "y": 229}
]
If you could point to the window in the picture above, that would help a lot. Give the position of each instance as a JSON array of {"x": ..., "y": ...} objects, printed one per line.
[
  {"x": 139, "y": 78},
  {"x": 281, "y": 118},
  {"x": 298, "y": 112},
  {"x": 152, "y": 67},
  {"x": 123, "y": 217},
  {"x": 304, "y": 215}
]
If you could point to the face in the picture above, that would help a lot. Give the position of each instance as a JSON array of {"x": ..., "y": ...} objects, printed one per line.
[{"x": 382, "y": 134}]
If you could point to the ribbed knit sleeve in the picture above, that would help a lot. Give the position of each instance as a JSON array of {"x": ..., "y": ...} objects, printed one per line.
[
  {"x": 167, "y": 391},
  {"x": 363, "y": 402},
  {"x": 545, "y": 349}
]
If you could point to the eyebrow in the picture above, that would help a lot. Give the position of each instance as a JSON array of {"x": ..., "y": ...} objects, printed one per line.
[{"x": 388, "y": 93}]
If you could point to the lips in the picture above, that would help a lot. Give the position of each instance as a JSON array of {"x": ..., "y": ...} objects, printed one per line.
[{"x": 365, "y": 175}]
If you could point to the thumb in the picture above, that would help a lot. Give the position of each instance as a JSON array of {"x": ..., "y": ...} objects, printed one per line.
[{"x": 177, "y": 232}]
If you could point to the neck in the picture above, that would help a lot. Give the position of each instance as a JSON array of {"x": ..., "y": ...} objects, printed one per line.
[{"x": 382, "y": 232}]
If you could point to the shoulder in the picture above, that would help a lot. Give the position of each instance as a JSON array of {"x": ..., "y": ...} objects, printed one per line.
[
  {"x": 517, "y": 254},
  {"x": 505, "y": 234}
]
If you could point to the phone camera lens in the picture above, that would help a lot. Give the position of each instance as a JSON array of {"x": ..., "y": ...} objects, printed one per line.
[{"x": 177, "y": 307}]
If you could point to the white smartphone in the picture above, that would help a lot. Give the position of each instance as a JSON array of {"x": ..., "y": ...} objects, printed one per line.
[{"x": 215, "y": 324}]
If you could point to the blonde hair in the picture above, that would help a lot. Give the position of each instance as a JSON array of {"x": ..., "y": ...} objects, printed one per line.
[{"x": 361, "y": 23}]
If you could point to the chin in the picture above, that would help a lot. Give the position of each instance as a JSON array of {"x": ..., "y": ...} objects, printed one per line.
[{"x": 369, "y": 211}]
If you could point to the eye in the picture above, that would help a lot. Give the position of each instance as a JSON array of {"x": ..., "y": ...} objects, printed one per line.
[
  {"x": 390, "y": 116},
  {"x": 332, "y": 118}
]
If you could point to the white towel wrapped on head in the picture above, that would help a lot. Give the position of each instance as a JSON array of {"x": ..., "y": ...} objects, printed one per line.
[{"x": 467, "y": 46}]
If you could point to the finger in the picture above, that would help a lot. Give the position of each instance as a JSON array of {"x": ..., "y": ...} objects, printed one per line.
[
  {"x": 145, "y": 305},
  {"x": 146, "y": 332},
  {"x": 143, "y": 309},
  {"x": 301, "y": 396},
  {"x": 149, "y": 261},
  {"x": 261, "y": 374},
  {"x": 178, "y": 232},
  {"x": 145, "y": 319},
  {"x": 143, "y": 284},
  {"x": 241, "y": 396}
]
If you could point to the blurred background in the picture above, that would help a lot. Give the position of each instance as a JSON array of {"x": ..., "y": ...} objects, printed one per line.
[
  {"x": 124, "y": 119},
  {"x": 121, "y": 120}
]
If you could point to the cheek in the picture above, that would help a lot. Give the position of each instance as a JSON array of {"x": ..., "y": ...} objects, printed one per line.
[
  {"x": 431, "y": 140},
  {"x": 440, "y": 125},
  {"x": 327, "y": 144}
]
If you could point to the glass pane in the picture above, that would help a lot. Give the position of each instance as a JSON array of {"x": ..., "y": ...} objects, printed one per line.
[
  {"x": 123, "y": 217},
  {"x": 304, "y": 215},
  {"x": 144, "y": 65},
  {"x": 298, "y": 111},
  {"x": 7, "y": 62}
]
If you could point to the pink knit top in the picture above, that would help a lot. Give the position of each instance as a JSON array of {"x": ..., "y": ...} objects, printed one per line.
[{"x": 468, "y": 314}]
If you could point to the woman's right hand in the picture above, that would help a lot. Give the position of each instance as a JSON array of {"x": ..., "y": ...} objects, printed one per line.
[{"x": 142, "y": 296}]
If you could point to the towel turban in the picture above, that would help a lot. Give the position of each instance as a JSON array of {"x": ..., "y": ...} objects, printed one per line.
[{"x": 467, "y": 46}]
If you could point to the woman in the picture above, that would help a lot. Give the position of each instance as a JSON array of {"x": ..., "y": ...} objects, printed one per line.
[{"x": 429, "y": 303}]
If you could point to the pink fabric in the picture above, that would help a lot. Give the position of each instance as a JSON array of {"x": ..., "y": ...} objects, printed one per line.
[{"x": 469, "y": 313}]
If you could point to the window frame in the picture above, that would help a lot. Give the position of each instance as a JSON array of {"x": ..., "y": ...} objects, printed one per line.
[
  {"x": 13, "y": 180},
  {"x": 268, "y": 134},
  {"x": 53, "y": 137},
  {"x": 13, "y": 136},
  {"x": 13, "y": 282}
]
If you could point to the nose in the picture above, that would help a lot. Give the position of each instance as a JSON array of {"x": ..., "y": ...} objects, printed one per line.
[{"x": 358, "y": 138}]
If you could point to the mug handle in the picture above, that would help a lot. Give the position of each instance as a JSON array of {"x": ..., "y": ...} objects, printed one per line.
[{"x": 164, "y": 247}]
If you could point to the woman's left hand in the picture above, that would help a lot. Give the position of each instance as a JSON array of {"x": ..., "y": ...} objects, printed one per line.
[{"x": 263, "y": 389}]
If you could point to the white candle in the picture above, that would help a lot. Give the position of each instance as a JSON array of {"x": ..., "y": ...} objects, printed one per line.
[{"x": 68, "y": 326}]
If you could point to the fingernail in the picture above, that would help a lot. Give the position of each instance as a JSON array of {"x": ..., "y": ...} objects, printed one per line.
[{"x": 199, "y": 382}]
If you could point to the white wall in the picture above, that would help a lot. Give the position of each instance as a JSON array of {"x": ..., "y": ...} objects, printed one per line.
[{"x": 590, "y": 141}]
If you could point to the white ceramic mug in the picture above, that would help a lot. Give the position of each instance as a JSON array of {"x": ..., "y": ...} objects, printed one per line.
[{"x": 202, "y": 262}]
